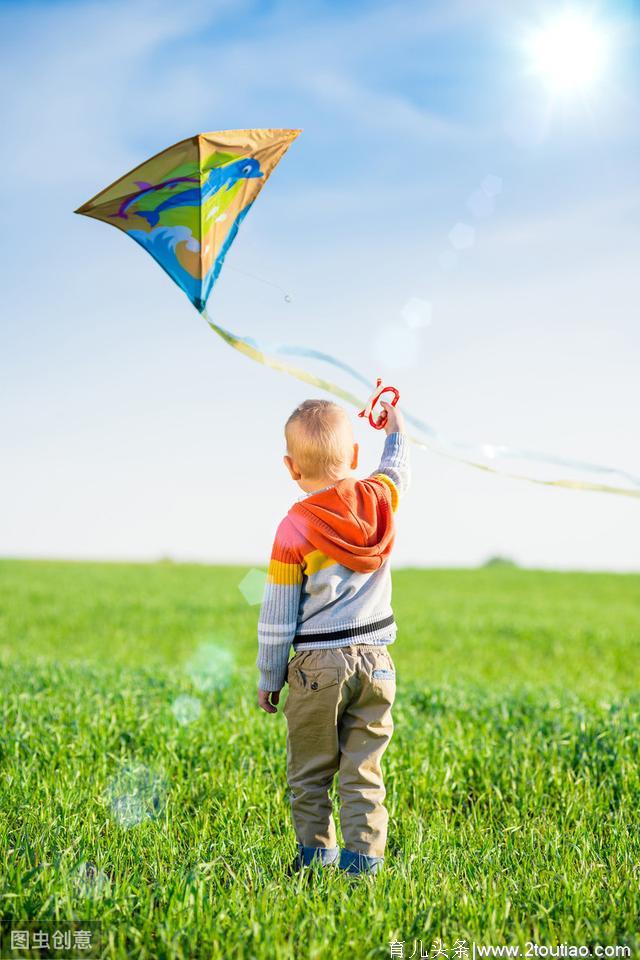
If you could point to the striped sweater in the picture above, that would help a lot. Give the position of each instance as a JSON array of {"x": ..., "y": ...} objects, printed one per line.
[{"x": 329, "y": 580}]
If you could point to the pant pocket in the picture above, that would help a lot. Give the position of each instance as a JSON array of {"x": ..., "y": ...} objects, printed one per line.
[
  {"x": 316, "y": 679},
  {"x": 381, "y": 673},
  {"x": 383, "y": 677},
  {"x": 312, "y": 706},
  {"x": 383, "y": 664}
]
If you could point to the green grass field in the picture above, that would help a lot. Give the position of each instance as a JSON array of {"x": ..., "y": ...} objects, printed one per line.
[{"x": 513, "y": 784}]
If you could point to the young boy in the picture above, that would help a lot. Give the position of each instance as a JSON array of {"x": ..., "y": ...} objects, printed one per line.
[{"x": 329, "y": 593}]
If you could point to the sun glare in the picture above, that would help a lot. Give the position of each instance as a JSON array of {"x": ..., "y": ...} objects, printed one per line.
[{"x": 569, "y": 53}]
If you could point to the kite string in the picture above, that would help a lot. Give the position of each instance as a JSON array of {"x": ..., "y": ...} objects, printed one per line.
[
  {"x": 270, "y": 283},
  {"x": 251, "y": 349}
]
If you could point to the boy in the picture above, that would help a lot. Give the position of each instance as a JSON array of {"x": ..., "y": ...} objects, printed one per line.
[{"x": 329, "y": 593}]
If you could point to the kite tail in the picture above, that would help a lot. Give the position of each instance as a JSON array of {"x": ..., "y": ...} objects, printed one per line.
[
  {"x": 431, "y": 442},
  {"x": 255, "y": 353}
]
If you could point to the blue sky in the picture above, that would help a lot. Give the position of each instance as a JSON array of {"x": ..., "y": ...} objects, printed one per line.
[{"x": 129, "y": 430}]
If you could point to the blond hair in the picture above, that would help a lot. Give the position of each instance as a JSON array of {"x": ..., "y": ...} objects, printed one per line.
[{"x": 319, "y": 438}]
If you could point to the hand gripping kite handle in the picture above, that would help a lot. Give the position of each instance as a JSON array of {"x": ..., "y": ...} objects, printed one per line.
[{"x": 379, "y": 422}]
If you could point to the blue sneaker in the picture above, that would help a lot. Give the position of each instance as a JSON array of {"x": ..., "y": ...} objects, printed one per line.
[
  {"x": 354, "y": 862},
  {"x": 307, "y": 856}
]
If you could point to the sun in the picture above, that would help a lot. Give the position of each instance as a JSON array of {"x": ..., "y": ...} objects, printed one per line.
[{"x": 568, "y": 53}]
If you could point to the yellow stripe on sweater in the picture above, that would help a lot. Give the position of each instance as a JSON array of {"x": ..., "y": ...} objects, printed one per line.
[
  {"x": 392, "y": 487},
  {"x": 284, "y": 574},
  {"x": 316, "y": 561}
]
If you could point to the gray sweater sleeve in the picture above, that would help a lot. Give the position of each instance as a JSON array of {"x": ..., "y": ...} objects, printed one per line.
[
  {"x": 278, "y": 615},
  {"x": 395, "y": 461}
]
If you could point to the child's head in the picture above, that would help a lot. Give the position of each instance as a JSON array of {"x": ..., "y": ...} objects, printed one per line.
[{"x": 320, "y": 447}]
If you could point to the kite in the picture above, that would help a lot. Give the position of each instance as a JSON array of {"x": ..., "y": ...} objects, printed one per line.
[{"x": 184, "y": 206}]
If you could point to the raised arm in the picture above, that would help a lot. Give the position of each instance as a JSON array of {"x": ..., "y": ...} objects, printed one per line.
[{"x": 395, "y": 455}]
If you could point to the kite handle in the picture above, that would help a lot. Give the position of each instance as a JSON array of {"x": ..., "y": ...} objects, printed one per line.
[{"x": 380, "y": 421}]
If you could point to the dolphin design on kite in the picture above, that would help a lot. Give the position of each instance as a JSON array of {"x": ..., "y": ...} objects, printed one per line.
[{"x": 217, "y": 179}]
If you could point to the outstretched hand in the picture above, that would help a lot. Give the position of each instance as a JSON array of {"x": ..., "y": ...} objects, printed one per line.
[
  {"x": 268, "y": 705},
  {"x": 395, "y": 420}
]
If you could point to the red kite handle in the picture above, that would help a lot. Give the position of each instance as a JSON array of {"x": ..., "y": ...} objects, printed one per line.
[{"x": 379, "y": 422}]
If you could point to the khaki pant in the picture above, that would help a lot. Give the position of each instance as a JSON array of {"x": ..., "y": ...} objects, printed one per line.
[{"x": 338, "y": 715}]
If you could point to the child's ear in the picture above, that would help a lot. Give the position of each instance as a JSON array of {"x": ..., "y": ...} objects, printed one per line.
[
  {"x": 354, "y": 460},
  {"x": 291, "y": 467}
]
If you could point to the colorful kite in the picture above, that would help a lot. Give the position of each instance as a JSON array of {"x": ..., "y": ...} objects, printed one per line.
[{"x": 184, "y": 206}]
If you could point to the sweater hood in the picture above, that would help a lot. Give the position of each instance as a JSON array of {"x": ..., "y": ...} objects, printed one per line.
[{"x": 351, "y": 522}]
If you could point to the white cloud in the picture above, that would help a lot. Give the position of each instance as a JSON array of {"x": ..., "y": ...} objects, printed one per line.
[{"x": 386, "y": 113}]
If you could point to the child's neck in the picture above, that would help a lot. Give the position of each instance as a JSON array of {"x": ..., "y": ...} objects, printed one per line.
[{"x": 319, "y": 483}]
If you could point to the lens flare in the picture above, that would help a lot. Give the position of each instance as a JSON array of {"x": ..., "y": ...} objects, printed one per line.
[
  {"x": 135, "y": 794},
  {"x": 186, "y": 709}
]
